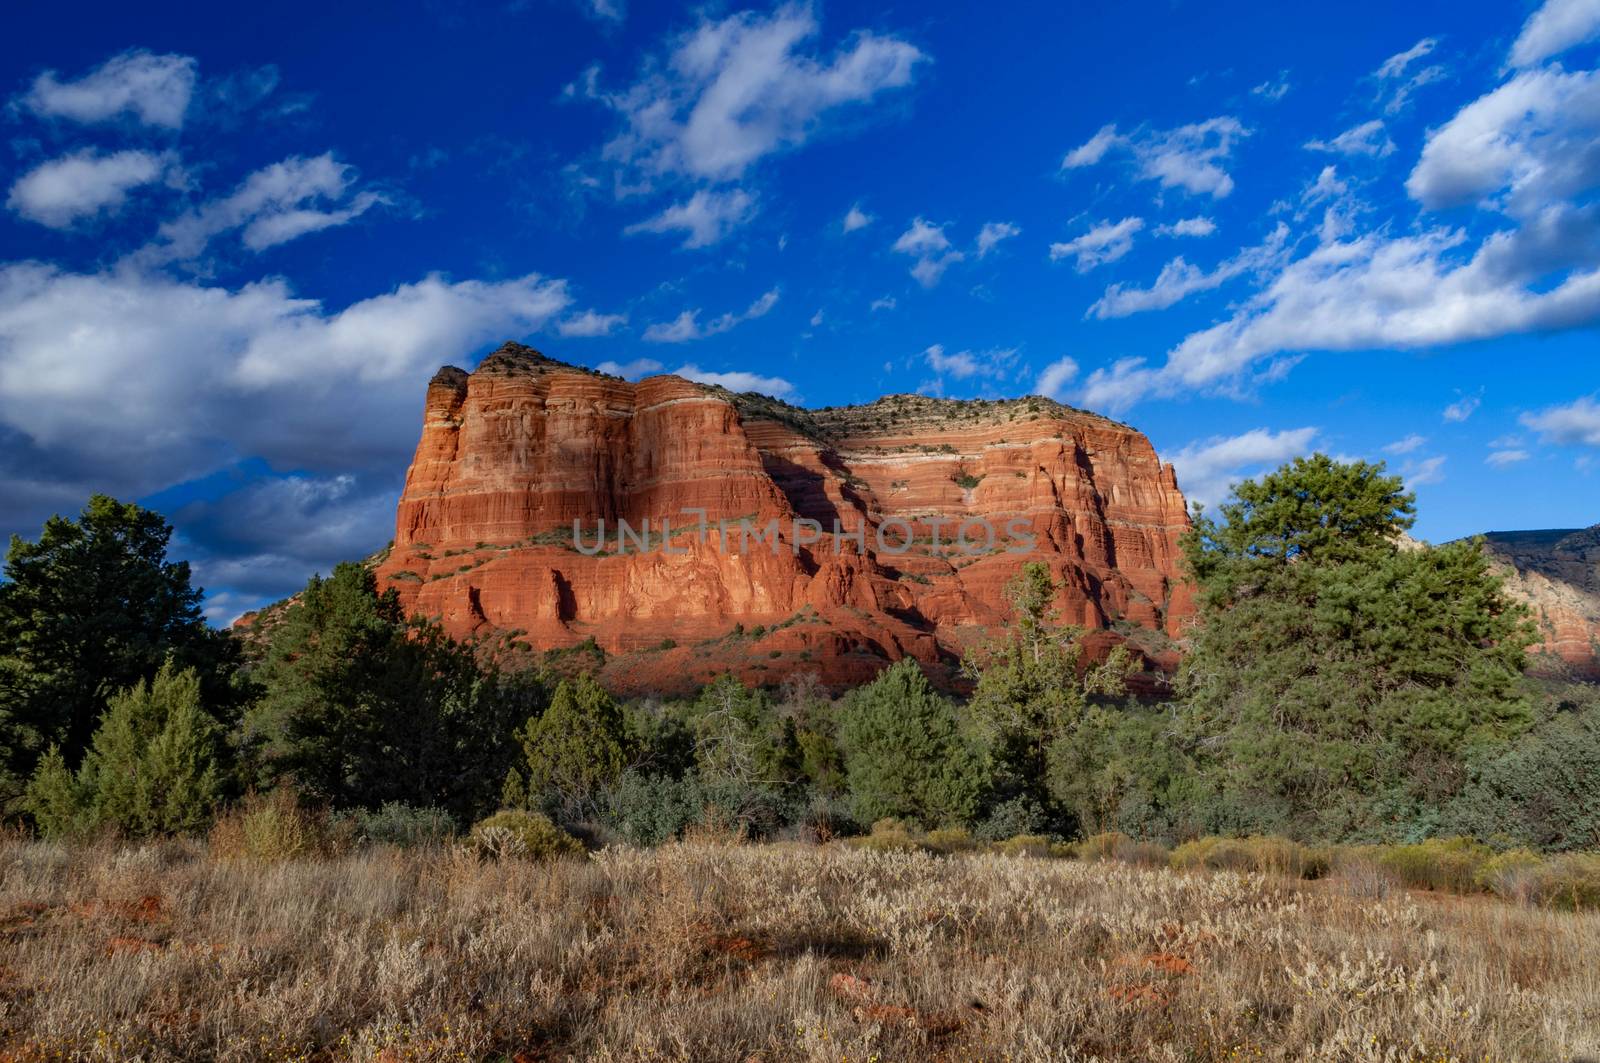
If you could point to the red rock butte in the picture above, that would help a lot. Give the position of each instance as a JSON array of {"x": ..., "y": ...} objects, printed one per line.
[{"x": 516, "y": 454}]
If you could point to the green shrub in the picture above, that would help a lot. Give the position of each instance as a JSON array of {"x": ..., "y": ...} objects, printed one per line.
[
  {"x": 651, "y": 809},
  {"x": 515, "y": 833},
  {"x": 891, "y": 834},
  {"x": 1511, "y": 874},
  {"x": 1544, "y": 788},
  {"x": 1266, "y": 854},
  {"x": 952, "y": 840},
  {"x": 1019, "y": 815},
  {"x": 402, "y": 825},
  {"x": 1025, "y": 845},
  {"x": 1570, "y": 882},
  {"x": 152, "y": 766},
  {"x": 1438, "y": 863},
  {"x": 269, "y": 829},
  {"x": 1114, "y": 845},
  {"x": 905, "y": 753}
]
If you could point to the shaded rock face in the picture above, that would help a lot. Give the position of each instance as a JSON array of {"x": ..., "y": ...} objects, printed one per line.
[
  {"x": 1557, "y": 573},
  {"x": 514, "y": 453}
]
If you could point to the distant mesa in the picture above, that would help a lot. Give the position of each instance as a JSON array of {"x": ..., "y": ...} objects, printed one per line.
[{"x": 512, "y": 454}]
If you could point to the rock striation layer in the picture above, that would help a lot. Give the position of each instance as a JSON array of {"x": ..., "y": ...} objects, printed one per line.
[
  {"x": 521, "y": 460},
  {"x": 1557, "y": 573}
]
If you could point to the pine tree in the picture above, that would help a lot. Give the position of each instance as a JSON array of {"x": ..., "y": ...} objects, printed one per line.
[
  {"x": 92, "y": 608},
  {"x": 362, "y": 706},
  {"x": 1336, "y": 682}
]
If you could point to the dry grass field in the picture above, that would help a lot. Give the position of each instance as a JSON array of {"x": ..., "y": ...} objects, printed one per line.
[{"x": 707, "y": 951}]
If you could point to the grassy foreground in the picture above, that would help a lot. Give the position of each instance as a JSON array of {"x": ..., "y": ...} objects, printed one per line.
[{"x": 710, "y": 951}]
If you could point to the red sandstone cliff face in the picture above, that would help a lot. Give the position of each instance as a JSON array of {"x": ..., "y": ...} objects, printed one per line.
[
  {"x": 1557, "y": 573},
  {"x": 512, "y": 454}
]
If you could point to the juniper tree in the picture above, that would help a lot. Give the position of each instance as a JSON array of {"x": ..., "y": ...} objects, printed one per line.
[
  {"x": 905, "y": 755},
  {"x": 152, "y": 766}
]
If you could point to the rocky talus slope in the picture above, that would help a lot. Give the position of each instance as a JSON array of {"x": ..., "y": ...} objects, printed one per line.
[{"x": 513, "y": 454}]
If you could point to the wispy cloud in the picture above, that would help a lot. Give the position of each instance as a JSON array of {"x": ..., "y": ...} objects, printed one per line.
[
  {"x": 855, "y": 218},
  {"x": 1463, "y": 408},
  {"x": 1406, "y": 445},
  {"x": 1573, "y": 424},
  {"x": 1178, "y": 279},
  {"x": 687, "y": 325},
  {"x": 1368, "y": 138},
  {"x": 992, "y": 233},
  {"x": 707, "y": 217},
  {"x": 590, "y": 323},
  {"x": 1555, "y": 27},
  {"x": 1188, "y": 157},
  {"x": 1105, "y": 242},
  {"x": 274, "y": 205},
  {"x": 1056, "y": 378}
]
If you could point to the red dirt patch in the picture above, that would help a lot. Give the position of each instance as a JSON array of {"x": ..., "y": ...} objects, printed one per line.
[
  {"x": 1169, "y": 962},
  {"x": 130, "y": 944},
  {"x": 1155, "y": 996}
]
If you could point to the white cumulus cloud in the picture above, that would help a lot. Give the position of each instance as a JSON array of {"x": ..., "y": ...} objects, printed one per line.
[
  {"x": 155, "y": 89},
  {"x": 85, "y": 184},
  {"x": 591, "y": 323},
  {"x": 1555, "y": 27},
  {"x": 992, "y": 233},
  {"x": 1577, "y": 422},
  {"x": 1056, "y": 378},
  {"x": 927, "y": 243},
  {"x": 1189, "y": 157},
  {"x": 735, "y": 89},
  {"x": 855, "y": 218},
  {"x": 1208, "y": 469},
  {"x": 130, "y": 381}
]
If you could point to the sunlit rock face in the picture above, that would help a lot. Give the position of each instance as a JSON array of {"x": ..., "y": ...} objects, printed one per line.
[
  {"x": 521, "y": 461},
  {"x": 1557, "y": 573}
]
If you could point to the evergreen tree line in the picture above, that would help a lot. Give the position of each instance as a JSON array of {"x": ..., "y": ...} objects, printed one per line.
[{"x": 1340, "y": 684}]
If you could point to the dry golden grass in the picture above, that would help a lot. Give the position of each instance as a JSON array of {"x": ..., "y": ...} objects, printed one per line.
[{"x": 709, "y": 951}]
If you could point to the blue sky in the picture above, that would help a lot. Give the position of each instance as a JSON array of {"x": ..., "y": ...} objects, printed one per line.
[{"x": 236, "y": 243}]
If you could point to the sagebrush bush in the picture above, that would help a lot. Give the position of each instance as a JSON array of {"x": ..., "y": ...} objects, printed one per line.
[
  {"x": 1020, "y": 815},
  {"x": 1570, "y": 882},
  {"x": 1114, "y": 845},
  {"x": 652, "y": 809},
  {"x": 516, "y": 833},
  {"x": 1438, "y": 863},
  {"x": 1268, "y": 854},
  {"x": 1510, "y": 874},
  {"x": 953, "y": 840},
  {"x": 400, "y": 824},
  {"x": 1025, "y": 845},
  {"x": 271, "y": 828},
  {"x": 889, "y": 834}
]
